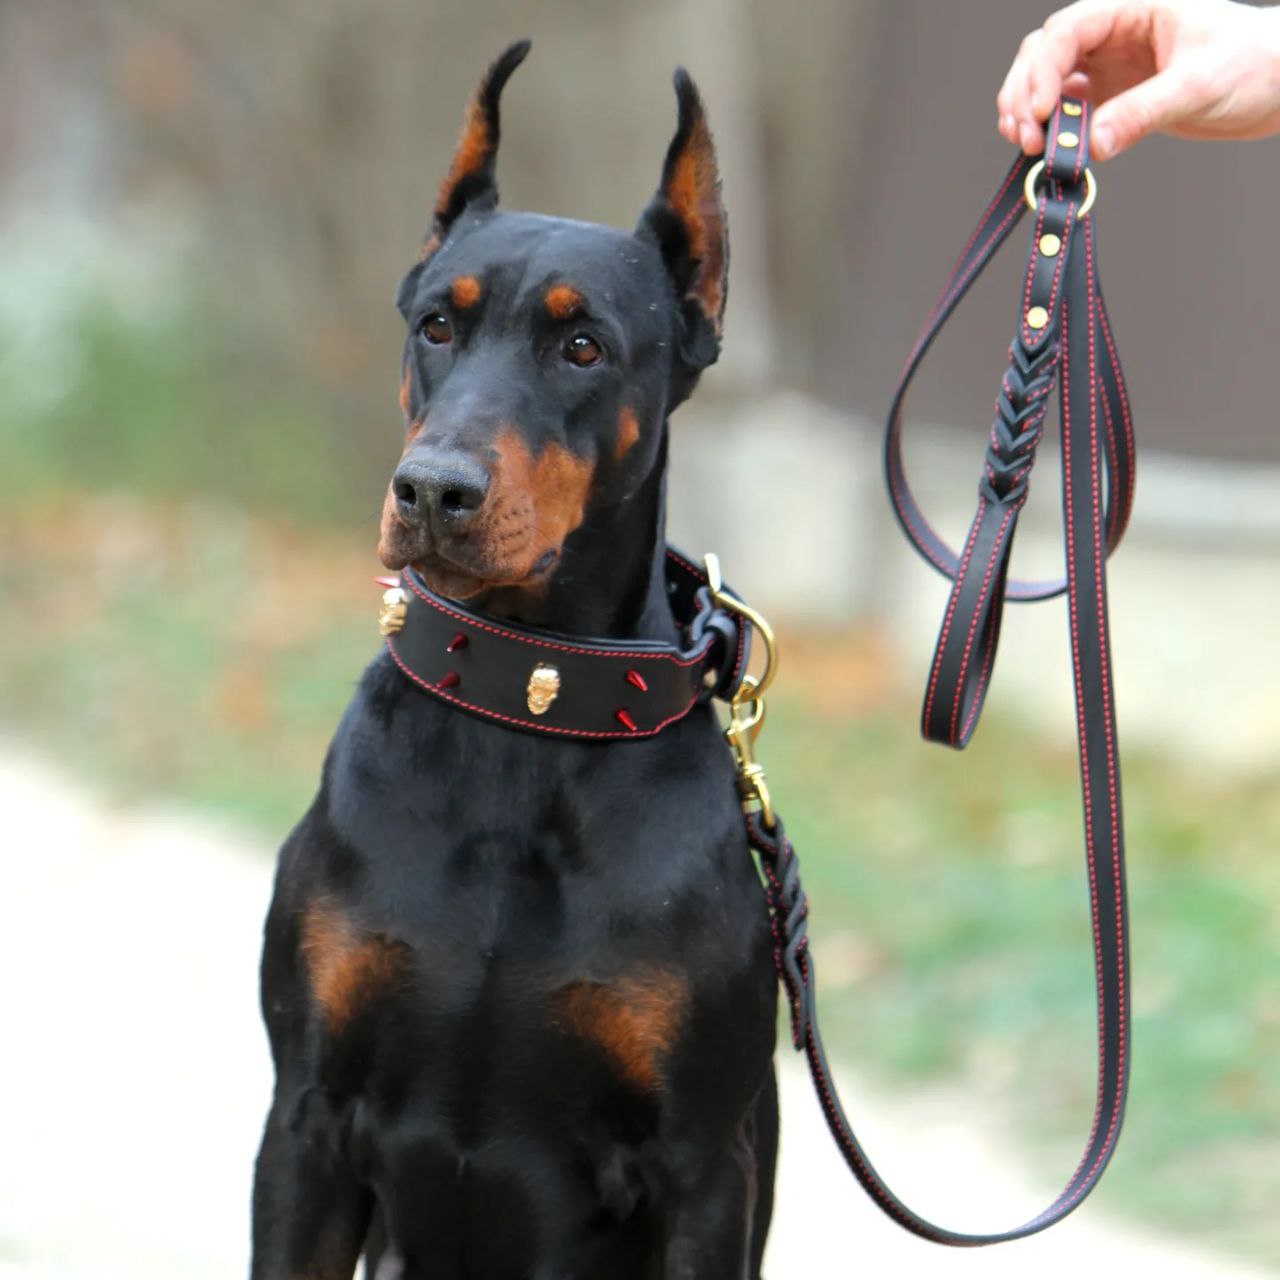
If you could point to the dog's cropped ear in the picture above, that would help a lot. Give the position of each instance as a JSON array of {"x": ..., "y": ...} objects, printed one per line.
[
  {"x": 686, "y": 220},
  {"x": 470, "y": 182}
]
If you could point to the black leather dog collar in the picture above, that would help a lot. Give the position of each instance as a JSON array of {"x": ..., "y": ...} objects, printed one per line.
[{"x": 565, "y": 686}]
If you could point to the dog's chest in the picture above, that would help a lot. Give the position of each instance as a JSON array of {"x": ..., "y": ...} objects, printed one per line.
[{"x": 534, "y": 891}]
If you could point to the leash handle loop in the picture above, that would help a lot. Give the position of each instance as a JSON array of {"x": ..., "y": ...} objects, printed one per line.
[
  {"x": 1064, "y": 340},
  {"x": 995, "y": 226}
]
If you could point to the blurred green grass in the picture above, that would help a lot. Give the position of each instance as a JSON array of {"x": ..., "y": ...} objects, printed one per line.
[
  {"x": 204, "y": 650},
  {"x": 179, "y": 409}
]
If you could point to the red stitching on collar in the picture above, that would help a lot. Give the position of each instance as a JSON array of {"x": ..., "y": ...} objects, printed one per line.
[
  {"x": 630, "y": 655},
  {"x": 551, "y": 731}
]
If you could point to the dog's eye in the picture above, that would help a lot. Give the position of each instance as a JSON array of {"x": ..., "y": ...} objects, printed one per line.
[
  {"x": 583, "y": 350},
  {"x": 437, "y": 329}
]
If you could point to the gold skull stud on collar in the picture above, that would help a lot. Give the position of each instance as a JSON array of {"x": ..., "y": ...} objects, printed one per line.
[{"x": 543, "y": 688}]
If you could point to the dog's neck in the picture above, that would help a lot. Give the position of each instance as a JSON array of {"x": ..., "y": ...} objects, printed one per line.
[{"x": 611, "y": 579}]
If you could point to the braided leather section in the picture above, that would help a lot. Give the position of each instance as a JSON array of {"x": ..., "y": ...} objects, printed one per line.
[{"x": 1021, "y": 406}]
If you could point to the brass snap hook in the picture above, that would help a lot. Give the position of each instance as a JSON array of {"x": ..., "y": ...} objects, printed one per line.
[{"x": 746, "y": 707}]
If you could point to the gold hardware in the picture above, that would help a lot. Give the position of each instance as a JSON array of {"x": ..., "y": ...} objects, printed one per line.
[
  {"x": 1071, "y": 108},
  {"x": 1068, "y": 139},
  {"x": 395, "y": 604},
  {"x": 543, "y": 688},
  {"x": 1037, "y": 318},
  {"x": 746, "y": 707},
  {"x": 1050, "y": 244},
  {"x": 1033, "y": 176}
]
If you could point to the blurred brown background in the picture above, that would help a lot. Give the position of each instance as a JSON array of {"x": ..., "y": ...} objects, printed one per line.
[{"x": 281, "y": 158}]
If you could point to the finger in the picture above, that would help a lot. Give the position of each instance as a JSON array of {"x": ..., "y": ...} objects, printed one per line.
[
  {"x": 1015, "y": 98},
  {"x": 1147, "y": 107},
  {"x": 1014, "y": 79},
  {"x": 1070, "y": 36},
  {"x": 1077, "y": 85}
]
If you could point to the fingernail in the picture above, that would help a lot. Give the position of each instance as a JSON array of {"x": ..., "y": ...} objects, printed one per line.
[
  {"x": 1104, "y": 141},
  {"x": 1009, "y": 126},
  {"x": 1027, "y": 137}
]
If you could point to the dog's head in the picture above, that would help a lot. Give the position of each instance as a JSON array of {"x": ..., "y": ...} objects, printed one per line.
[{"x": 543, "y": 356}]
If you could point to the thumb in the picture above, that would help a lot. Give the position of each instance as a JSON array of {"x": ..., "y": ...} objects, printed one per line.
[{"x": 1146, "y": 108}]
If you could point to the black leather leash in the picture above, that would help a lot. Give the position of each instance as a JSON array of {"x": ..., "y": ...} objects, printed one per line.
[{"x": 1060, "y": 312}]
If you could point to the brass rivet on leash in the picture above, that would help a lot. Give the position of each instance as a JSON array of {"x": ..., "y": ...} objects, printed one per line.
[
  {"x": 1071, "y": 108},
  {"x": 1068, "y": 139},
  {"x": 395, "y": 604},
  {"x": 1037, "y": 318},
  {"x": 1050, "y": 245},
  {"x": 543, "y": 688}
]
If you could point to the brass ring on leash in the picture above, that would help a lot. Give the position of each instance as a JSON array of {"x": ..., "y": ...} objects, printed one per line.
[{"x": 1033, "y": 176}]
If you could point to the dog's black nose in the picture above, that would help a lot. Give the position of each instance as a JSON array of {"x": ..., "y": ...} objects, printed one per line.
[{"x": 445, "y": 492}]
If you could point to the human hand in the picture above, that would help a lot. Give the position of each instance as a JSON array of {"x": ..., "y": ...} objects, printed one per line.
[{"x": 1191, "y": 68}]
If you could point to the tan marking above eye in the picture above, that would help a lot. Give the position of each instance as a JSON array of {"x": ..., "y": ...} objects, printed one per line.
[
  {"x": 465, "y": 292},
  {"x": 635, "y": 1020},
  {"x": 563, "y": 301},
  {"x": 628, "y": 432},
  {"x": 347, "y": 966}
]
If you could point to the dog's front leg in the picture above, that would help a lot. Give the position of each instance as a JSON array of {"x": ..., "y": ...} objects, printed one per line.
[
  {"x": 711, "y": 1232},
  {"x": 310, "y": 1212}
]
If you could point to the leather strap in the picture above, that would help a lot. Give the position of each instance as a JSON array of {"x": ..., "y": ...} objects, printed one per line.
[
  {"x": 1097, "y": 448},
  {"x": 564, "y": 686}
]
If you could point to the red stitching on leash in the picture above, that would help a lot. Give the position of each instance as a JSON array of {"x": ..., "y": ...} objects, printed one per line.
[
  {"x": 1068, "y": 1197},
  {"x": 940, "y": 651},
  {"x": 997, "y": 550},
  {"x": 922, "y": 532}
]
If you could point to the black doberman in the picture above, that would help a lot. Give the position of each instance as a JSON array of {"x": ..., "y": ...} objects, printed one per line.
[{"x": 520, "y": 990}]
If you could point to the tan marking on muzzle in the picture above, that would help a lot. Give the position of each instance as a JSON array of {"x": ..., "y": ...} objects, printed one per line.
[
  {"x": 534, "y": 502},
  {"x": 628, "y": 432}
]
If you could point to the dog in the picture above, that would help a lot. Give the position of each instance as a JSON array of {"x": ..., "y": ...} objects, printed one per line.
[{"x": 520, "y": 990}]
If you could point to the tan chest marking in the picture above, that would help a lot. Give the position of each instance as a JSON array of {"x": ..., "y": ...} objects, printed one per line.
[
  {"x": 347, "y": 966},
  {"x": 635, "y": 1020}
]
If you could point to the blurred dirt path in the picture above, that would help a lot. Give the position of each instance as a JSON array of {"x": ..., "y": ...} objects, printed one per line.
[{"x": 134, "y": 1078}]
